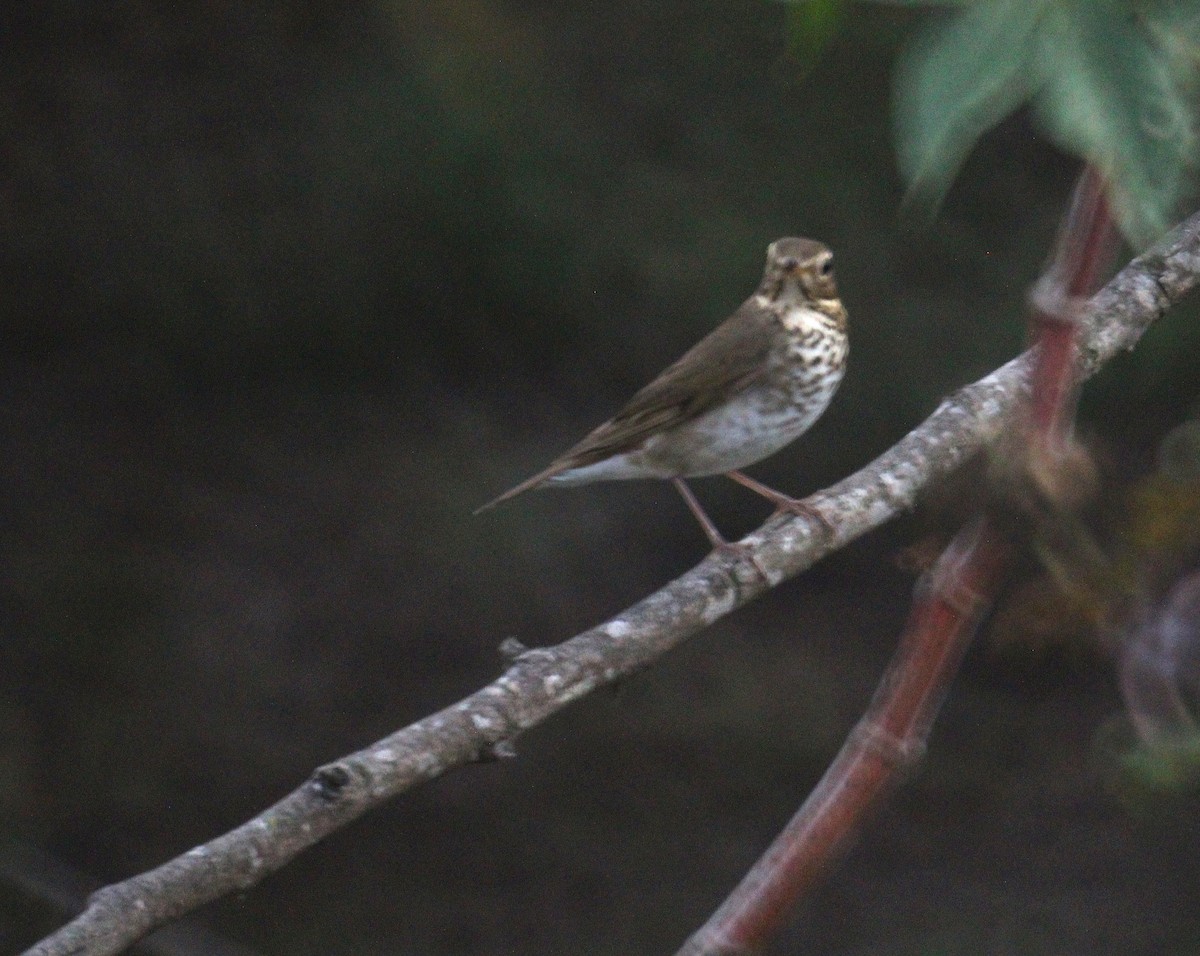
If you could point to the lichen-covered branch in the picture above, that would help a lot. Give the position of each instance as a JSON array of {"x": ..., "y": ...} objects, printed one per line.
[{"x": 540, "y": 682}]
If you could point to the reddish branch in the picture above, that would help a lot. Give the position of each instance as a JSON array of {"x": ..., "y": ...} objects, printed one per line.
[
  {"x": 947, "y": 608},
  {"x": 883, "y": 745},
  {"x": 1084, "y": 247}
]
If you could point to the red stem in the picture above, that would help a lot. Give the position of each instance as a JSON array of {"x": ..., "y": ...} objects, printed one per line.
[
  {"x": 1085, "y": 243},
  {"x": 886, "y": 741}
]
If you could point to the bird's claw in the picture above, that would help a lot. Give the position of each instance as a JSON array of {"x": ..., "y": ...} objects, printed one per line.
[
  {"x": 742, "y": 552},
  {"x": 802, "y": 509}
]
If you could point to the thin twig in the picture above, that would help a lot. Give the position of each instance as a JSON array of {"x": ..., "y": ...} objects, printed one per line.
[{"x": 543, "y": 681}]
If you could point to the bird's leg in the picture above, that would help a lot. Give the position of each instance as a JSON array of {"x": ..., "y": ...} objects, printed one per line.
[
  {"x": 781, "y": 501},
  {"x": 710, "y": 530}
]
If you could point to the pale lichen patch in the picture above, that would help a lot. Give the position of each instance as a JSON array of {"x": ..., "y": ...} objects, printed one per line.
[
  {"x": 618, "y": 629},
  {"x": 425, "y": 764},
  {"x": 718, "y": 605},
  {"x": 508, "y": 686},
  {"x": 578, "y": 689}
]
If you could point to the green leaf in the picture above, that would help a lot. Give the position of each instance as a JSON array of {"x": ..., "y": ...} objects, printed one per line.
[
  {"x": 1108, "y": 94},
  {"x": 956, "y": 80},
  {"x": 928, "y": 3},
  {"x": 1106, "y": 79}
]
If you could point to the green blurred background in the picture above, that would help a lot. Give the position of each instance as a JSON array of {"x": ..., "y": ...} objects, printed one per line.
[{"x": 290, "y": 288}]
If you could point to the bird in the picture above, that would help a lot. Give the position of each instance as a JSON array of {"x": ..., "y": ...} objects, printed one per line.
[{"x": 753, "y": 385}]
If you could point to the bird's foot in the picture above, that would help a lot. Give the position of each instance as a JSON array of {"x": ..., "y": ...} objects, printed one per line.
[
  {"x": 797, "y": 507},
  {"x": 736, "y": 550},
  {"x": 784, "y": 503},
  {"x": 741, "y": 552}
]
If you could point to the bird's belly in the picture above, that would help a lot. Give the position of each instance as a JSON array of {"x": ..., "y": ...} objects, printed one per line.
[
  {"x": 723, "y": 439},
  {"x": 731, "y": 436},
  {"x": 614, "y": 468}
]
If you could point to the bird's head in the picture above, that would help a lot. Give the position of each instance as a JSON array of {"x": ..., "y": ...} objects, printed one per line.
[{"x": 799, "y": 270}]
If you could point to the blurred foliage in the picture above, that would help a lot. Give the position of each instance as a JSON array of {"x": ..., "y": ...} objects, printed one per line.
[
  {"x": 1108, "y": 80},
  {"x": 1179, "y": 452},
  {"x": 1148, "y": 777},
  {"x": 1136, "y": 599},
  {"x": 1148, "y": 528},
  {"x": 810, "y": 27}
]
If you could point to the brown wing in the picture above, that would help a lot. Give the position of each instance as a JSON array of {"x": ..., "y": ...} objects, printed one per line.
[
  {"x": 730, "y": 358},
  {"x": 727, "y": 360}
]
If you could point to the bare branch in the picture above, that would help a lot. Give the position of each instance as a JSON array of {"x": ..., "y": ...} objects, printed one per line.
[
  {"x": 542, "y": 681},
  {"x": 33, "y": 872}
]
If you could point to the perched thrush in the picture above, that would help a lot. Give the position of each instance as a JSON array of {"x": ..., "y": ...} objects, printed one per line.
[{"x": 756, "y": 383}]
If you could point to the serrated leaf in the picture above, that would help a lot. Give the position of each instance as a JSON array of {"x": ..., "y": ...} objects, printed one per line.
[{"x": 957, "y": 79}]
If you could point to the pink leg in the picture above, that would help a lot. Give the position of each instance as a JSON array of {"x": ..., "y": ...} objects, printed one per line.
[
  {"x": 781, "y": 501},
  {"x": 710, "y": 530}
]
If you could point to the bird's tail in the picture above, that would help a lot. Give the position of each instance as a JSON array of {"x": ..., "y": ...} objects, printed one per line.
[{"x": 529, "y": 483}]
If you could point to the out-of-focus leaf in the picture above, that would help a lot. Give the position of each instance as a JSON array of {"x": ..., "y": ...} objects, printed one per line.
[
  {"x": 1179, "y": 17},
  {"x": 1179, "y": 452},
  {"x": 958, "y": 78},
  {"x": 929, "y": 3},
  {"x": 1168, "y": 766},
  {"x": 1107, "y": 80},
  {"x": 1144, "y": 777},
  {"x": 1108, "y": 95}
]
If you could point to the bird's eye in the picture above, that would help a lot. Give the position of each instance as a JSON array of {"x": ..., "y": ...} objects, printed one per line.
[{"x": 827, "y": 267}]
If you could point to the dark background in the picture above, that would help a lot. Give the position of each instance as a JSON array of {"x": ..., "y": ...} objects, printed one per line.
[{"x": 290, "y": 288}]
